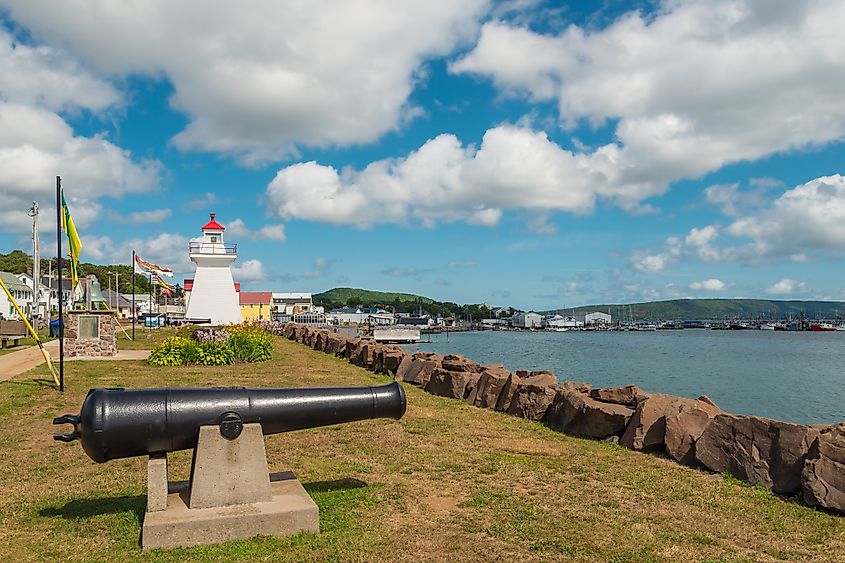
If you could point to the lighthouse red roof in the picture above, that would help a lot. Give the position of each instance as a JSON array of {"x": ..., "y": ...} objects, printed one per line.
[{"x": 213, "y": 225}]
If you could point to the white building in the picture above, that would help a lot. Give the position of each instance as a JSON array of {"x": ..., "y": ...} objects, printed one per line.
[
  {"x": 289, "y": 304},
  {"x": 41, "y": 310},
  {"x": 558, "y": 321},
  {"x": 21, "y": 293},
  {"x": 213, "y": 296},
  {"x": 596, "y": 318},
  {"x": 527, "y": 320}
]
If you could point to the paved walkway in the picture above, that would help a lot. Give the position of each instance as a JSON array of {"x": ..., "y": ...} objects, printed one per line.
[{"x": 20, "y": 362}]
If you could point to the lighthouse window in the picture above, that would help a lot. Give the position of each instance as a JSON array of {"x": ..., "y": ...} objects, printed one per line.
[
  {"x": 213, "y": 239},
  {"x": 89, "y": 327}
]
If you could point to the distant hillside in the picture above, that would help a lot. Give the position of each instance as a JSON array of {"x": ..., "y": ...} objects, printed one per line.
[
  {"x": 343, "y": 294},
  {"x": 716, "y": 309}
]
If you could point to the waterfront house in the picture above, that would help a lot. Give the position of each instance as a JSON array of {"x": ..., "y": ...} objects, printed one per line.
[
  {"x": 118, "y": 303},
  {"x": 595, "y": 318},
  {"x": 21, "y": 293},
  {"x": 528, "y": 320},
  {"x": 256, "y": 305},
  {"x": 41, "y": 310}
]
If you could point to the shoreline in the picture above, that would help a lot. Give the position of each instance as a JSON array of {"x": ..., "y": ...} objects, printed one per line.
[{"x": 786, "y": 458}]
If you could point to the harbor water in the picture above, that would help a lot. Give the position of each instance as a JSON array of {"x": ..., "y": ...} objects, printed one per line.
[{"x": 790, "y": 376}]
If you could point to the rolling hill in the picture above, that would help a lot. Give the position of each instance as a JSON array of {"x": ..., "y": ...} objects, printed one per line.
[
  {"x": 718, "y": 309},
  {"x": 343, "y": 294}
]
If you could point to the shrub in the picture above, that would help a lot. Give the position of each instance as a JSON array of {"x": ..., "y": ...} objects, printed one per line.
[
  {"x": 213, "y": 353},
  {"x": 251, "y": 345},
  {"x": 215, "y": 347},
  {"x": 169, "y": 352}
]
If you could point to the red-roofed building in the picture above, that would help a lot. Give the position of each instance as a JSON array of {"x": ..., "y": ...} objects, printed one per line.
[{"x": 255, "y": 305}]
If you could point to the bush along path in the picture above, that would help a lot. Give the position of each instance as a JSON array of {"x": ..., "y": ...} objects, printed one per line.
[
  {"x": 215, "y": 347},
  {"x": 788, "y": 459}
]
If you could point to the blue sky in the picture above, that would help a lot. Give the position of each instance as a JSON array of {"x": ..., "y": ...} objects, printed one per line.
[{"x": 523, "y": 153}]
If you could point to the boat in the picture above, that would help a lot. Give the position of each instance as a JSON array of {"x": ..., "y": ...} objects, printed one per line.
[
  {"x": 823, "y": 327},
  {"x": 840, "y": 327},
  {"x": 768, "y": 326}
]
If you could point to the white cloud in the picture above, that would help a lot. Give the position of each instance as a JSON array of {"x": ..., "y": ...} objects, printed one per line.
[
  {"x": 238, "y": 229},
  {"x": 712, "y": 284},
  {"x": 685, "y": 84},
  {"x": 514, "y": 168},
  {"x": 36, "y": 143},
  {"x": 787, "y": 287},
  {"x": 403, "y": 272},
  {"x": 47, "y": 77},
  {"x": 249, "y": 271},
  {"x": 257, "y": 78},
  {"x": 143, "y": 217},
  {"x": 808, "y": 219},
  {"x": 652, "y": 262},
  {"x": 320, "y": 267}
]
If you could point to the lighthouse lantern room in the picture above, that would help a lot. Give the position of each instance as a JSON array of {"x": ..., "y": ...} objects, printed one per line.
[{"x": 213, "y": 297}]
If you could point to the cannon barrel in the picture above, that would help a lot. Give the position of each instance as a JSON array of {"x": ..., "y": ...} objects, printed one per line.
[{"x": 118, "y": 423}]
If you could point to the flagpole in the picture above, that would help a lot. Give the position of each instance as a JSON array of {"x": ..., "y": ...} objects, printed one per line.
[
  {"x": 59, "y": 268},
  {"x": 134, "y": 312},
  {"x": 151, "y": 302}
]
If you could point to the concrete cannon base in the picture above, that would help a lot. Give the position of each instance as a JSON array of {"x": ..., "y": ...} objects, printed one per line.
[
  {"x": 290, "y": 511},
  {"x": 230, "y": 496}
]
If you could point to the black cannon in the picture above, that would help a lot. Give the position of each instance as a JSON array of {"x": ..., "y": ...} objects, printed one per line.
[{"x": 117, "y": 423}]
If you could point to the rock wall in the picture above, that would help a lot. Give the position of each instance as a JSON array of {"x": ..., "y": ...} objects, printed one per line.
[
  {"x": 783, "y": 457},
  {"x": 105, "y": 345}
]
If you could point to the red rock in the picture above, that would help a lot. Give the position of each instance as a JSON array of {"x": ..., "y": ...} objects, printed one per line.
[
  {"x": 758, "y": 450},
  {"x": 452, "y": 384},
  {"x": 420, "y": 369},
  {"x": 629, "y": 395},
  {"x": 531, "y": 401},
  {"x": 647, "y": 427},
  {"x": 683, "y": 429},
  {"x": 489, "y": 387},
  {"x": 455, "y": 362},
  {"x": 579, "y": 414},
  {"x": 823, "y": 476}
]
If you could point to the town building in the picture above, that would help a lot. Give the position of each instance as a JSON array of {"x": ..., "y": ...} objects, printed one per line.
[
  {"x": 120, "y": 305},
  {"x": 360, "y": 315},
  {"x": 213, "y": 297},
  {"x": 21, "y": 293},
  {"x": 256, "y": 305},
  {"x": 559, "y": 321},
  {"x": 528, "y": 320},
  {"x": 595, "y": 318},
  {"x": 286, "y": 305},
  {"x": 41, "y": 310}
]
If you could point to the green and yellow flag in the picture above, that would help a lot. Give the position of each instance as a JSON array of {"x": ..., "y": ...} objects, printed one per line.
[{"x": 73, "y": 242}]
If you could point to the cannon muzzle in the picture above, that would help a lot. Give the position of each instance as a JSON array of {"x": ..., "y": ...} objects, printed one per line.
[{"x": 118, "y": 423}]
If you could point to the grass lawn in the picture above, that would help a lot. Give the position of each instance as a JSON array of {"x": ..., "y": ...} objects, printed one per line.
[{"x": 447, "y": 482}]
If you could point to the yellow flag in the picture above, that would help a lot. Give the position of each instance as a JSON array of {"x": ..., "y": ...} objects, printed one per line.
[{"x": 73, "y": 242}]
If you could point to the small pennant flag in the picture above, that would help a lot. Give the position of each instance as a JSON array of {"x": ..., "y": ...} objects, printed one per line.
[{"x": 151, "y": 268}]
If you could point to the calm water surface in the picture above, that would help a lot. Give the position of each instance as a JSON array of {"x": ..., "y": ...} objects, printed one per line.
[{"x": 791, "y": 376}]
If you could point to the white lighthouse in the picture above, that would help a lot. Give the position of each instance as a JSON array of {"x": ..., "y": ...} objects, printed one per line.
[{"x": 213, "y": 294}]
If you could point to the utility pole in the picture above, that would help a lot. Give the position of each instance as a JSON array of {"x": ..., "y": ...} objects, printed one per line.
[{"x": 36, "y": 266}]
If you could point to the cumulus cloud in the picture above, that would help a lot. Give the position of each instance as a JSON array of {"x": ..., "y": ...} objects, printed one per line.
[
  {"x": 683, "y": 86},
  {"x": 36, "y": 143},
  {"x": 249, "y": 271},
  {"x": 238, "y": 229},
  {"x": 787, "y": 286},
  {"x": 515, "y": 168},
  {"x": 712, "y": 284},
  {"x": 808, "y": 219},
  {"x": 320, "y": 267},
  {"x": 143, "y": 217},
  {"x": 396, "y": 272},
  {"x": 260, "y": 77}
]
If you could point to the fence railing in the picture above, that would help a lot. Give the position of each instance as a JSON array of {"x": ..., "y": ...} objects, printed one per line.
[{"x": 212, "y": 248}]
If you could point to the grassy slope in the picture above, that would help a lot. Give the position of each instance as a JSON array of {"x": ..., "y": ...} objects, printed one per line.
[
  {"x": 343, "y": 293},
  {"x": 447, "y": 482},
  {"x": 716, "y": 309}
]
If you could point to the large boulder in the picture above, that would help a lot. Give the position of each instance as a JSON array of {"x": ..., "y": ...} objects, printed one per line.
[
  {"x": 456, "y": 362},
  {"x": 575, "y": 413},
  {"x": 447, "y": 383},
  {"x": 420, "y": 369},
  {"x": 489, "y": 386},
  {"x": 647, "y": 427},
  {"x": 391, "y": 359},
  {"x": 577, "y": 386},
  {"x": 523, "y": 377},
  {"x": 823, "y": 477},
  {"x": 758, "y": 450},
  {"x": 684, "y": 428},
  {"x": 628, "y": 395},
  {"x": 531, "y": 401}
]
